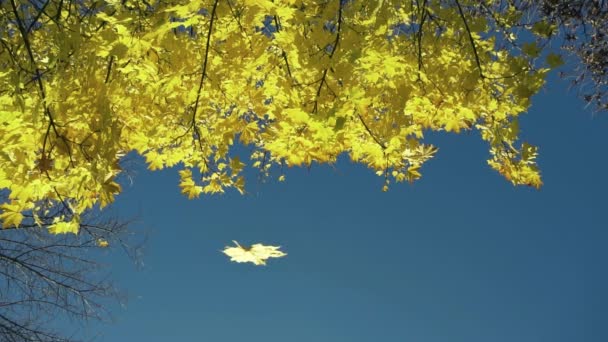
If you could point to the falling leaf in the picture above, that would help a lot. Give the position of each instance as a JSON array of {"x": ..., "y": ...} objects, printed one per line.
[
  {"x": 103, "y": 243},
  {"x": 256, "y": 254}
]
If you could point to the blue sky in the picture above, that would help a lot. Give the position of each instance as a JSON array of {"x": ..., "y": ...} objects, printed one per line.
[{"x": 461, "y": 255}]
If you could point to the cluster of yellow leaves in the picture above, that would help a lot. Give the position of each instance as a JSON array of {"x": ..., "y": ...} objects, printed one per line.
[{"x": 299, "y": 81}]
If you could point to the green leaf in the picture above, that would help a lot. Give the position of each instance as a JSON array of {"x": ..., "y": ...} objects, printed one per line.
[
  {"x": 340, "y": 121},
  {"x": 543, "y": 29},
  {"x": 531, "y": 49},
  {"x": 554, "y": 60}
]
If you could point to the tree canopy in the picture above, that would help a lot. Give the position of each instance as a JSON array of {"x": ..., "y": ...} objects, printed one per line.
[
  {"x": 83, "y": 83},
  {"x": 583, "y": 27}
]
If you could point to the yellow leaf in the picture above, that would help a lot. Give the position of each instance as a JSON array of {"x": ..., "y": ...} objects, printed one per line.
[
  {"x": 103, "y": 243},
  {"x": 256, "y": 254},
  {"x": 63, "y": 227},
  {"x": 11, "y": 219},
  {"x": 188, "y": 185},
  {"x": 11, "y": 214},
  {"x": 297, "y": 115}
]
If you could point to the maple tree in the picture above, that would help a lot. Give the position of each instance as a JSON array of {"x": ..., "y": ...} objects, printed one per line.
[{"x": 83, "y": 83}]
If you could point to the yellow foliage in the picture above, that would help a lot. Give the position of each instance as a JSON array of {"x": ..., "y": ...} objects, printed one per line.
[{"x": 297, "y": 81}]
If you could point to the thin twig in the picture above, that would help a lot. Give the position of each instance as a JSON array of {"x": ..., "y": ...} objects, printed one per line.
[{"x": 370, "y": 132}]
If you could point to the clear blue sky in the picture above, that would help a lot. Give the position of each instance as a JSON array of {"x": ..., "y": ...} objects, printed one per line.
[{"x": 459, "y": 256}]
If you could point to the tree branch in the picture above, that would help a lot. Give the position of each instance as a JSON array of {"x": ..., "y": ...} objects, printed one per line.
[{"x": 466, "y": 25}]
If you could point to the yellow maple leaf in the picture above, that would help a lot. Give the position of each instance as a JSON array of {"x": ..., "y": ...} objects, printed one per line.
[
  {"x": 11, "y": 219},
  {"x": 188, "y": 185},
  {"x": 10, "y": 214},
  {"x": 63, "y": 227},
  {"x": 256, "y": 254},
  {"x": 103, "y": 243}
]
